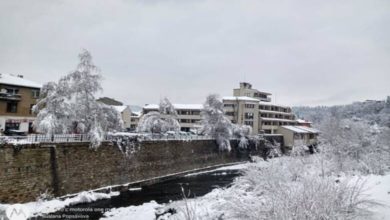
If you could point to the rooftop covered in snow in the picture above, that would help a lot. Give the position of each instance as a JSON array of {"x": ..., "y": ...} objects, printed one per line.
[
  {"x": 13, "y": 80},
  {"x": 301, "y": 129},
  {"x": 177, "y": 106},
  {"x": 120, "y": 108},
  {"x": 239, "y": 98}
]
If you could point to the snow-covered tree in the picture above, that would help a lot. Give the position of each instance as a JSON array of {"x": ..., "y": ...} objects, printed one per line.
[
  {"x": 215, "y": 123},
  {"x": 70, "y": 105},
  {"x": 242, "y": 132},
  {"x": 160, "y": 121}
]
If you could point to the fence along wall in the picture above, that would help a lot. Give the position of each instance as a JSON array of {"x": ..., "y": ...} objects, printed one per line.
[{"x": 64, "y": 168}]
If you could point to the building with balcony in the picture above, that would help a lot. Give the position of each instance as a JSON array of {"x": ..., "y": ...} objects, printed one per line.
[
  {"x": 17, "y": 97},
  {"x": 252, "y": 107},
  {"x": 135, "y": 116},
  {"x": 188, "y": 115}
]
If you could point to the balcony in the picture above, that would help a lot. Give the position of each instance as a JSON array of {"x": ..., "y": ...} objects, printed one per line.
[
  {"x": 268, "y": 99},
  {"x": 9, "y": 97}
]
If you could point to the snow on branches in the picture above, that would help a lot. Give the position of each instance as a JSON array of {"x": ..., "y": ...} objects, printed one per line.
[
  {"x": 70, "y": 105},
  {"x": 215, "y": 123},
  {"x": 160, "y": 122}
]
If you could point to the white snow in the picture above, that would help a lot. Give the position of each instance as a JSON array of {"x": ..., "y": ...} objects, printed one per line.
[
  {"x": 294, "y": 129},
  {"x": 41, "y": 207},
  {"x": 379, "y": 190},
  {"x": 176, "y": 106},
  {"x": 239, "y": 98},
  {"x": 145, "y": 211},
  {"x": 120, "y": 108},
  {"x": 12, "y": 80}
]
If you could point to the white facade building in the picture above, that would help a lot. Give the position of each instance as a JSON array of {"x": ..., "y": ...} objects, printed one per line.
[{"x": 188, "y": 114}]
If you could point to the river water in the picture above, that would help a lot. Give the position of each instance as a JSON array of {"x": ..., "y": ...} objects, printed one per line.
[{"x": 163, "y": 192}]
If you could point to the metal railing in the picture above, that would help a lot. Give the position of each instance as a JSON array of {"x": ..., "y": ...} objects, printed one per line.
[
  {"x": 40, "y": 138},
  {"x": 65, "y": 138}
]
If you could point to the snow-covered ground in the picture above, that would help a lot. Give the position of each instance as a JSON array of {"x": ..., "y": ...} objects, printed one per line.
[
  {"x": 378, "y": 188},
  {"x": 143, "y": 212},
  {"x": 42, "y": 207}
]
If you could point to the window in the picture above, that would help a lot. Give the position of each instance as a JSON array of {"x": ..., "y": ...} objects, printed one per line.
[
  {"x": 230, "y": 113},
  {"x": 195, "y": 112},
  {"x": 12, "y": 107},
  {"x": 35, "y": 93},
  {"x": 248, "y": 123},
  {"x": 249, "y": 106},
  {"x": 228, "y": 105},
  {"x": 248, "y": 115},
  {"x": 12, "y": 91}
]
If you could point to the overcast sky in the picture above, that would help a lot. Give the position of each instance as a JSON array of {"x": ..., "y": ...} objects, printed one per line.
[{"x": 305, "y": 52}]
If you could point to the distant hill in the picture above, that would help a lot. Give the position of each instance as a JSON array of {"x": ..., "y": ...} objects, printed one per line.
[
  {"x": 135, "y": 108},
  {"x": 370, "y": 110}
]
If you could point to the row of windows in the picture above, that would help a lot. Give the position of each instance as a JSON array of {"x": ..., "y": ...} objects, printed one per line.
[
  {"x": 260, "y": 95},
  {"x": 15, "y": 91},
  {"x": 248, "y": 115},
  {"x": 230, "y": 113},
  {"x": 188, "y": 112},
  {"x": 274, "y": 108},
  {"x": 277, "y": 123},
  {"x": 264, "y": 115},
  {"x": 189, "y": 120},
  {"x": 229, "y": 105},
  {"x": 249, "y": 105},
  {"x": 250, "y": 123},
  {"x": 12, "y": 107}
]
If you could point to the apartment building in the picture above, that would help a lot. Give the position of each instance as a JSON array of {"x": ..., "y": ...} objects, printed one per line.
[
  {"x": 135, "y": 116},
  {"x": 125, "y": 112},
  {"x": 188, "y": 114},
  {"x": 242, "y": 110},
  {"x": 249, "y": 106},
  {"x": 17, "y": 97}
]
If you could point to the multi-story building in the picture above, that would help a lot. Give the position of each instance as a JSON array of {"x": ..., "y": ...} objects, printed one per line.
[
  {"x": 135, "y": 116},
  {"x": 17, "y": 97},
  {"x": 125, "y": 112},
  {"x": 188, "y": 114},
  {"x": 252, "y": 107},
  {"x": 247, "y": 106}
]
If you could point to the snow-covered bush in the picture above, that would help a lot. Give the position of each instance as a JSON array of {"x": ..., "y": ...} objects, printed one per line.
[
  {"x": 242, "y": 132},
  {"x": 160, "y": 122},
  {"x": 70, "y": 105},
  {"x": 215, "y": 123},
  {"x": 355, "y": 146},
  {"x": 292, "y": 188}
]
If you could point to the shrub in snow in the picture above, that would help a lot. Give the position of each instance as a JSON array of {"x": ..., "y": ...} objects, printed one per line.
[
  {"x": 70, "y": 105},
  {"x": 160, "y": 122},
  {"x": 128, "y": 143},
  {"x": 292, "y": 188},
  {"x": 242, "y": 132},
  {"x": 215, "y": 123},
  {"x": 356, "y": 146}
]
